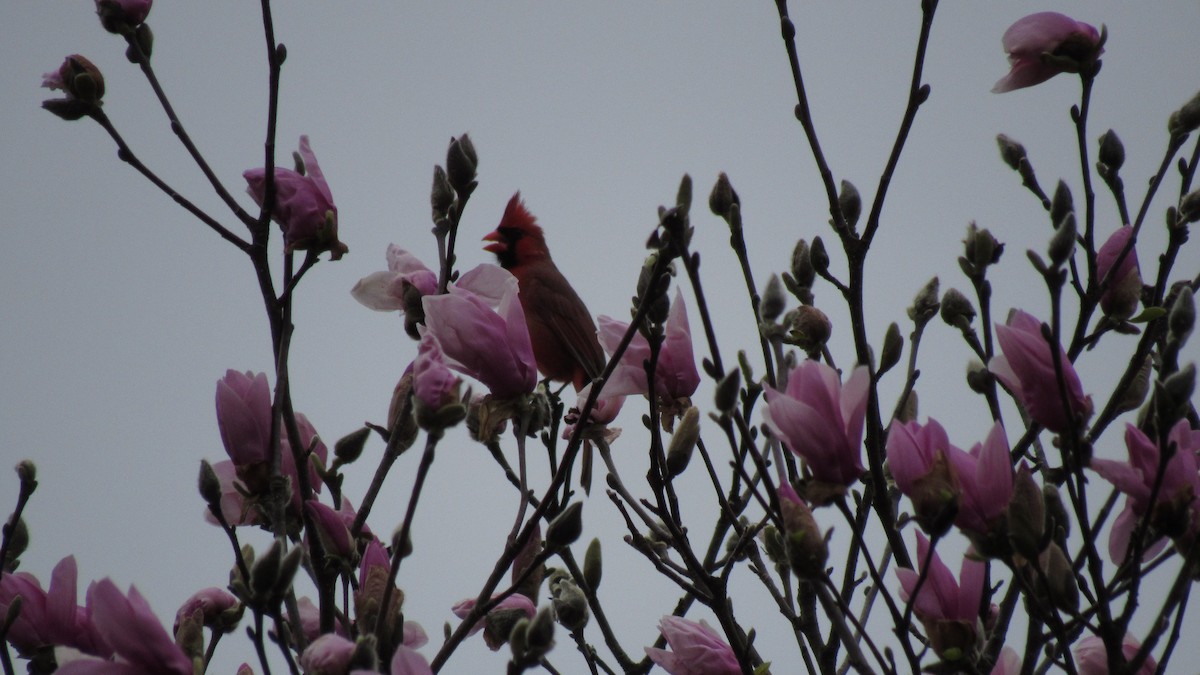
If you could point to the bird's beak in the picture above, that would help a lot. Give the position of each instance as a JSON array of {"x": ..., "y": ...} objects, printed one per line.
[{"x": 497, "y": 246}]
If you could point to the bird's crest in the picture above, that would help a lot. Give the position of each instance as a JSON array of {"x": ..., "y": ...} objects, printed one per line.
[{"x": 517, "y": 217}]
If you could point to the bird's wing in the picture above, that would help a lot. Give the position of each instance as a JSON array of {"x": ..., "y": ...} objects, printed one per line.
[{"x": 564, "y": 313}]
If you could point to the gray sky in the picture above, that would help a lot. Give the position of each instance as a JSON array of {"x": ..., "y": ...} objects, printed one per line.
[{"x": 121, "y": 311}]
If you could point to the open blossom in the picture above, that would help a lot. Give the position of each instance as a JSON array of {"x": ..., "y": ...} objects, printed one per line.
[
  {"x": 1120, "y": 299},
  {"x": 210, "y": 602},
  {"x": 304, "y": 205},
  {"x": 50, "y": 618},
  {"x": 136, "y": 636},
  {"x": 1176, "y": 510},
  {"x": 1044, "y": 44},
  {"x": 821, "y": 420},
  {"x": 118, "y": 16},
  {"x": 948, "y": 608},
  {"x": 400, "y": 287},
  {"x": 483, "y": 334},
  {"x": 1091, "y": 658},
  {"x": 498, "y": 623},
  {"x": 1026, "y": 368},
  {"x": 675, "y": 374},
  {"x": 696, "y": 649}
]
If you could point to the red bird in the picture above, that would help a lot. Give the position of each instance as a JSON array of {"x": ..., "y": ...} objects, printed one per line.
[{"x": 560, "y": 327}]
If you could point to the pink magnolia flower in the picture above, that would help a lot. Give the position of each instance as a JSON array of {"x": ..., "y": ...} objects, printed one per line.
[
  {"x": 407, "y": 661},
  {"x": 514, "y": 602},
  {"x": 1009, "y": 663},
  {"x": 986, "y": 477},
  {"x": 332, "y": 529},
  {"x": 948, "y": 610},
  {"x": 918, "y": 457},
  {"x": 821, "y": 420},
  {"x": 498, "y": 623},
  {"x": 1120, "y": 299},
  {"x": 210, "y": 602},
  {"x": 304, "y": 205},
  {"x": 490, "y": 345},
  {"x": 310, "y": 620},
  {"x": 50, "y": 618},
  {"x": 696, "y": 649},
  {"x": 244, "y": 416},
  {"x": 434, "y": 386},
  {"x": 138, "y": 639},
  {"x": 1045, "y": 44},
  {"x": 393, "y": 290},
  {"x": 329, "y": 654},
  {"x": 605, "y": 410},
  {"x": 1176, "y": 510},
  {"x": 1026, "y": 368},
  {"x": 1091, "y": 658},
  {"x": 675, "y": 374},
  {"x": 119, "y": 16}
]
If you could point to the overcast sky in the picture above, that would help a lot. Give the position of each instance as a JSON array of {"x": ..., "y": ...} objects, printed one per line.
[{"x": 120, "y": 311}]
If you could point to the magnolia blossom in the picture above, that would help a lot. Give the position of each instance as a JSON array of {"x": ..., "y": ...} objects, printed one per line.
[
  {"x": 948, "y": 609},
  {"x": 407, "y": 661},
  {"x": 821, "y": 420},
  {"x": 675, "y": 374},
  {"x": 304, "y": 205},
  {"x": 1026, "y": 368},
  {"x": 210, "y": 602},
  {"x": 1176, "y": 510},
  {"x": 329, "y": 654},
  {"x": 1091, "y": 658},
  {"x": 986, "y": 477},
  {"x": 1044, "y": 44},
  {"x": 696, "y": 649},
  {"x": 244, "y": 416},
  {"x": 118, "y": 16},
  {"x": 331, "y": 527},
  {"x": 1008, "y": 663},
  {"x": 918, "y": 457},
  {"x": 604, "y": 410},
  {"x": 1121, "y": 296},
  {"x": 50, "y": 618},
  {"x": 483, "y": 334},
  {"x": 434, "y": 386},
  {"x": 138, "y": 639},
  {"x": 400, "y": 288},
  {"x": 513, "y": 603}
]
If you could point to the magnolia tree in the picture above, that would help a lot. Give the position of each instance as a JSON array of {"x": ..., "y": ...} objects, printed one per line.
[{"x": 882, "y": 546}]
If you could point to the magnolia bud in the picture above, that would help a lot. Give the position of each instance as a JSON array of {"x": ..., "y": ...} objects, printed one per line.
[
  {"x": 540, "y": 636},
  {"x": 1112, "y": 151},
  {"x": 957, "y": 310},
  {"x": 981, "y": 247},
  {"x": 773, "y": 300},
  {"x": 1186, "y": 119},
  {"x": 441, "y": 195},
  {"x": 1058, "y": 523},
  {"x": 810, "y": 328},
  {"x": 364, "y": 658},
  {"x": 1138, "y": 388},
  {"x": 802, "y": 266},
  {"x": 1182, "y": 318},
  {"x": 908, "y": 411},
  {"x": 850, "y": 203},
  {"x": 566, "y": 526},
  {"x": 722, "y": 197},
  {"x": 1062, "y": 244},
  {"x": 1189, "y": 207},
  {"x": 210, "y": 485},
  {"x": 1177, "y": 391},
  {"x": 569, "y": 603},
  {"x": 804, "y": 545},
  {"x": 265, "y": 572},
  {"x": 726, "y": 395},
  {"x": 925, "y": 304},
  {"x": 683, "y": 197},
  {"x": 1062, "y": 204},
  {"x": 1012, "y": 152},
  {"x": 1026, "y": 515},
  {"x": 593, "y": 565},
  {"x": 350, "y": 447},
  {"x": 935, "y": 497},
  {"x": 461, "y": 163},
  {"x": 893, "y": 348},
  {"x": 683, "y": 442},
  {"x": 1060, "y": 579},
  {"x": 818, "y": 256},
  {"x": 17, "y": 538},
  {"x": 27, "y": 475},
  {"x": 978, "y": 377}
]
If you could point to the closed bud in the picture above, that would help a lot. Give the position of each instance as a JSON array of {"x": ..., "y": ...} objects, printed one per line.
[
  {"x": 1026, "y": 515},
  {"x": 773, "y": 300},
  {"x": 1062, "y": 244},
  {"x": 773, "y": 544},
  {"x": 461, "y": 164},
  {"x": 441, "y": 195},
  {"x": 683, "y": 197},
  {"x": 593, "y": 565},
  {"x": 287, "y": 572},
  {"x": 17, "y": 535},
  {"x": 1182, "y": 318},
  {"x": 851, "y": 203},
  {"x": 1012, "y": 152},
  {"x": 908, "y": 412},
  {"x": 1058, "y": 523},
  {"x": 726, "y": 395},
  {"x": 121, "y": 16},
  {"x": 925, "y": 304},
  {"x": 518, "y": 638},
  {"x": 957, "y": 310},
  {"x": 1060, "y": 579},
  {"x": 981, "y": 247},
  {"x": 1112, "y": 151},
  {"x": 810, "y": 328},
  {"x": 569, "y": 603},
  {"x": 27, "y": 475},
  {"x": 818, "y": 256},
  {"x": 978, "y": 377},
  {"x": 1062, "y": 204},
  {"x": 1189, "y": 207},
  {"x": 365, "y": 656},
  {"x": 566, "y": 527},
  {"x": 893, "y": 348},
  {"x": 1177, "y": 390},
  {"x": 1186, "y": 119},
  {"x": 143, "y": 37},
  {"x": 1135, "y": 395},
  {"x": 349, "y": 447},
  {"x": 804, "y": 544},
  {"x": 802, "y": 267},
  {"x": 401, "y": 546},
  {"x": 209, "y": 485},
  {"x": 683, "y": 442},
  {"x": 265, "y": 572},
  {"x": 722, "y": 197},
  {"x": 540, "y": 636}
]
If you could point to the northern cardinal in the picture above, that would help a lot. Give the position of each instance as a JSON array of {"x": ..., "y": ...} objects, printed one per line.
[{"x": 560, "y": 327}]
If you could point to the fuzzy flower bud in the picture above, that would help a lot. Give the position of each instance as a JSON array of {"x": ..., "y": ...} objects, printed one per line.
[
  {"x": 461, "y": 164},
  {"x": 1112, "y": 151},
  {"x": 850, "y": 203},
  {"x": 957, "y": 310},
  {"x": 722, "y": 197},
  {"x": 810, "y": 328},
  {"x": 802, "y": 269}
]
